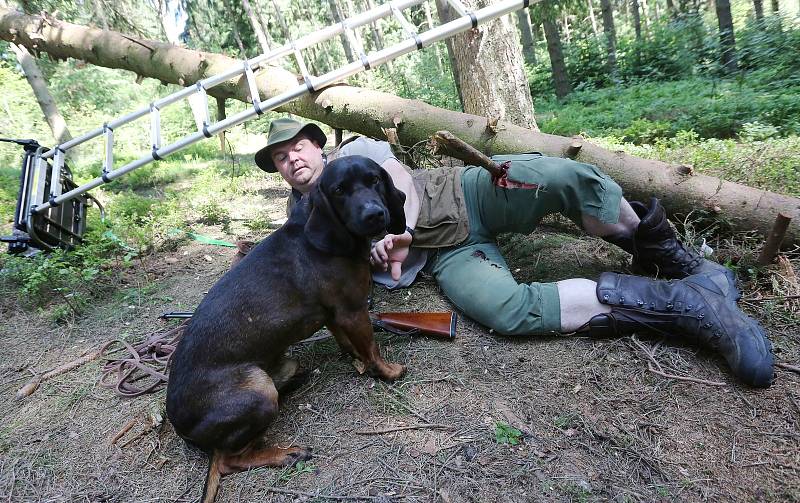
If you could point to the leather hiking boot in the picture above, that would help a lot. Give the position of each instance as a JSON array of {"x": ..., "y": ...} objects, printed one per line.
[
  {"x": 696, "y": 307},
  {"x": 657, "y": 250}
]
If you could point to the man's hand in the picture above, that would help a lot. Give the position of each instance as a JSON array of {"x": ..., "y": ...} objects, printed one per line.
[{"x": 390, "y": 252}]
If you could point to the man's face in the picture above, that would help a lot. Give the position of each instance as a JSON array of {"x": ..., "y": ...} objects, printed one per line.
[{"x": 299, "y": 161}]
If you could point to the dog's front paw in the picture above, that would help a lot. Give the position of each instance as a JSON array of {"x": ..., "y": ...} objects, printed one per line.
[
  {"x": 392, "y": 372},
  {"x": 294, "y": 455}
]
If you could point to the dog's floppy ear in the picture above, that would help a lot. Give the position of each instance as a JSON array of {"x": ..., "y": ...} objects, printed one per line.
[
  {"x": 324, "y": 229},
  {"x": 394, "y": 203}
]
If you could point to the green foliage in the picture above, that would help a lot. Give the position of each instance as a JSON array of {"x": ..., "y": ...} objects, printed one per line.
[
  {"x": 212, "y": 213},
  {"x": 65, "y": 279},
  {"x": 506, "y": 434},
  {"x": 768, "y": 52},
  {"x": 645, "y": 111}
]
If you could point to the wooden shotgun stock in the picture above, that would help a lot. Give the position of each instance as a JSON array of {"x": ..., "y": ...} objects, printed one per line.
[{"x": 439, "y": 324}]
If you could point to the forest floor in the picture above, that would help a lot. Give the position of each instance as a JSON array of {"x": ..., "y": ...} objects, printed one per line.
[{"x": 595, "y": 423}]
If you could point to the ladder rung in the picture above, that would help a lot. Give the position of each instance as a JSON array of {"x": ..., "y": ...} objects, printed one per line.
[
  {"x": 407, "y": 27},
  {"x": 108, "y": 161},
  {"x": 301, "y": 64},
  {"x": 204, "y": 103},
  {"x": 253, "y": 87},
  {"x": 55, "y": 174},
  {"x": 155, "y": 127}
]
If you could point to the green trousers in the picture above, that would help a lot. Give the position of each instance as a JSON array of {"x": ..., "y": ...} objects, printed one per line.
[{"x": 475, "y": 276}]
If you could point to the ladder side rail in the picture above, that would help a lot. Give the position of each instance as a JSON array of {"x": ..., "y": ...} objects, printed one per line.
[
  {"x": 41, "y": 178},
  {"x": 25, "y": 181},
  {"x": 434, "y": 35}
]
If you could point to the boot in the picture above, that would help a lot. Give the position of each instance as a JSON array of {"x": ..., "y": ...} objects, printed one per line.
[
  {"x": 698, "y": 307},
  {"x": 657, "y": 251}
]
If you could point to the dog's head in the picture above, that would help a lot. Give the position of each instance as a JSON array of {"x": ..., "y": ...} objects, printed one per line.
[{"x": 354, "y": 199}]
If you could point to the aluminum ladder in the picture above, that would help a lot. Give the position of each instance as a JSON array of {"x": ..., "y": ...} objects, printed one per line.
[{"x": 45, "y": 183}]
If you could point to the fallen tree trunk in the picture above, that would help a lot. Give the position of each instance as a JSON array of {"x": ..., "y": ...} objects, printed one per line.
[{"x": 371, "y": 113}]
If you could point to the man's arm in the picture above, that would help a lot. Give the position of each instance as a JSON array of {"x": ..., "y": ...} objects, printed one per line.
[
  {"x": 390, "y": 252},
  {"x": 403, "y": 182}
]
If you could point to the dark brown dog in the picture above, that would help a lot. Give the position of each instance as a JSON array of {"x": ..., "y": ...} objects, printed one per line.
[{"x": 229, "y": 367}]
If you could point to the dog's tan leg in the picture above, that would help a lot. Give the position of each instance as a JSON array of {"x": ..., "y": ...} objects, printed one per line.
[
  {"x": 356, "y": 328},
  {"x": 261, "y": 455}
]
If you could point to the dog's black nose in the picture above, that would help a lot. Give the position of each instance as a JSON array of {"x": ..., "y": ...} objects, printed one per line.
[{"x": 374, "y": 215}]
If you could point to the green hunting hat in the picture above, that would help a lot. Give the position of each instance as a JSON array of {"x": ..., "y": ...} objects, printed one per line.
[{"x": 282, "y": 130}]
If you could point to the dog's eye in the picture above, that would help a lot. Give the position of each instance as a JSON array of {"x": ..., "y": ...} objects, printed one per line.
[
  {"x": 374, "y": 180},
  {"x": 338, "y": 190}
]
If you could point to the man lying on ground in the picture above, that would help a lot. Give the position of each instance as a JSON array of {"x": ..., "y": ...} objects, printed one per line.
[{"x": 454, "y": 215}]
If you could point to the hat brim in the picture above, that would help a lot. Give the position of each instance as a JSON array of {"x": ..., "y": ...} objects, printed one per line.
[{"x": 263, "y": 157}]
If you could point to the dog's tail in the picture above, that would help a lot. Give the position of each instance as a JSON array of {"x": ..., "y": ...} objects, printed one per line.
[{"x": 213, "y": 477}]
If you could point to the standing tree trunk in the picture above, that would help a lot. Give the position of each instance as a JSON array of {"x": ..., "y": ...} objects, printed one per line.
[
  {"x": 610, "y": 37},
  {"x": 39, "y": 86},
  {"x": 592, "y": 17},
  {"x": 775, "y": 7},
  {"x": 259, "y": 31},
  {"x": 646, "y": 15},
  {"x": 727, "y": 41},
  {"x": 637, "y": 22},
  {"x": 367, "y": 112},
  {"x": 560, "y": 78},
  {"x": 336, "y": 14},
  {"x": 671, "y": 9},
  {"x": 488, "y": 68},
  {"x": 528, "y": 46},
  {"x": 758, "y": 7},
  {"x": 281, "y": 22},
  {"x": 375, "y": 33}
]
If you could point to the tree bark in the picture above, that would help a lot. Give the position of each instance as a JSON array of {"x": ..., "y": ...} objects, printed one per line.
[
  {"x": 775, "y": 6},
  {"x": 370, "y": 112},
  {"x": 39, "y": 86},
  {"x": 560, "y": 77},
  {"x": 524, "y": 22},
  {"x": 758, "y": 7},
  {"x": 490, "y": 71},
  {"x": 727, "y": 41}
]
